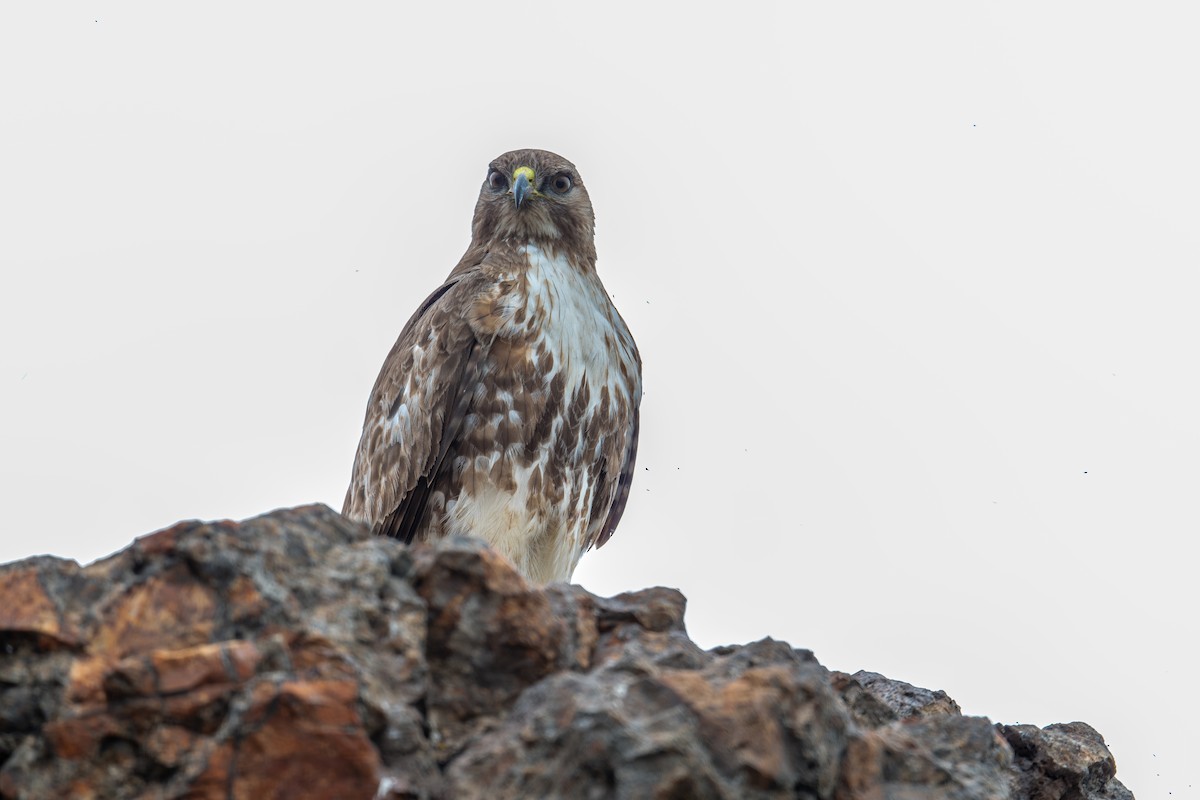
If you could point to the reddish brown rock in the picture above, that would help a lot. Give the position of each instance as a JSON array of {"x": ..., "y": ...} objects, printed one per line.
[
  {"x": 294, "y": 656},
  {"x": 490, "y": 635},
  {"x": 301, "y": 739},
  {"x": 218, "y": 660},
  {"x": 33, "y": 591}
]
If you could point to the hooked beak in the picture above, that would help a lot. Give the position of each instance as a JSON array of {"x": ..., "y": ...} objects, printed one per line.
[{"x": 522, "y": 185}]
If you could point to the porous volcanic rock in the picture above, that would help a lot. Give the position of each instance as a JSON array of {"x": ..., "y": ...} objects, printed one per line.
[{"x": 294, "y": 655}]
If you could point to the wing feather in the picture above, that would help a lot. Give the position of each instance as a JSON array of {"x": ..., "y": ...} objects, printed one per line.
[
  {"x": 624, "y": 482},
  {"x": 416, "y": 412},
  {"x": 405, "y": 520}
]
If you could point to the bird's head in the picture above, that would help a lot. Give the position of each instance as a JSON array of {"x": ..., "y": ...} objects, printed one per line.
[{"x": 535, "y": 196}]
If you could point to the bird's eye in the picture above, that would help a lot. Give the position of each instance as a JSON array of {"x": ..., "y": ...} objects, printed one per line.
[
  {"x": 561, "y": 183},
  {"x": 497, "y": 181}
]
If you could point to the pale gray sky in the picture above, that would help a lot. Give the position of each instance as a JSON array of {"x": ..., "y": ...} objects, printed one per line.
[{"x": 915, "y": 286}]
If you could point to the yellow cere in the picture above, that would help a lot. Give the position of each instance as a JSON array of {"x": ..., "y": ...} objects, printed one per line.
[{"x": 529, "y": 176}]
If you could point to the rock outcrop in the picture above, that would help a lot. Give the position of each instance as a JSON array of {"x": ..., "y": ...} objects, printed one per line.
[{"x": 294, "y": 655}]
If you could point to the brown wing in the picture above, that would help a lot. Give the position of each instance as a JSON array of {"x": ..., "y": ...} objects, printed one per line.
[
  {"x": 624, "y": 482},
  {"x": 408, "y": 516},
  {"x": 415, "y": 412}
]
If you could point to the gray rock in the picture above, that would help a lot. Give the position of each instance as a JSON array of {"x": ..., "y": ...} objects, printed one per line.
[
  {"x": 1067, "y": 761},
  {"x": 295, "y": 655},
  {"x": 875, "y": 700}
]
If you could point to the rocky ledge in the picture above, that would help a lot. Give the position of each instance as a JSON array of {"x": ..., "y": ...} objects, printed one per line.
[{"x": 294, "y": 655}]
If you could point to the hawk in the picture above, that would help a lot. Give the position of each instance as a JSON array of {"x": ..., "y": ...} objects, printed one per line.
[{"x": 508, "y": 407}]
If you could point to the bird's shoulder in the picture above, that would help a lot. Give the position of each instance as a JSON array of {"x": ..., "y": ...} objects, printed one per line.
[{"x": 493, "y": 289}]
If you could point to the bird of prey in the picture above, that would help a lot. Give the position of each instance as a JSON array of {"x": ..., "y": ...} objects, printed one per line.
[{"x": 508, "y": 407}]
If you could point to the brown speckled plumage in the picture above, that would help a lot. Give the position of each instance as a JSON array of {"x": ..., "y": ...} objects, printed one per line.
[{"x": 508, "y": 407}]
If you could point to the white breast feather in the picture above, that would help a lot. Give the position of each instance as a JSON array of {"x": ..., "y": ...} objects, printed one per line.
[{"x": 579, "y": 316}]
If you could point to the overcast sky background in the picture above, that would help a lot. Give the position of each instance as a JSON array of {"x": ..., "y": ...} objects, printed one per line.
[{"x": 915, "y": 286}]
